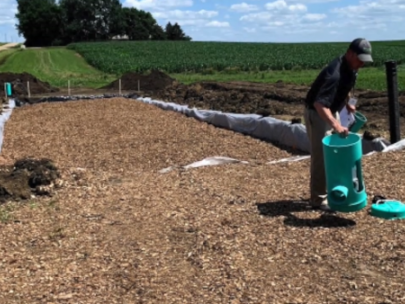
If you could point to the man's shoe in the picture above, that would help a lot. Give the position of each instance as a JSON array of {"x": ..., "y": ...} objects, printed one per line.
[
  {"x": 323, "y": 207},
  {"x": 326, "y": 208}
]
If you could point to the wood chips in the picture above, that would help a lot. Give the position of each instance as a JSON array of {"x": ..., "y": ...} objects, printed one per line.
[{"x": 118, "y": 231}]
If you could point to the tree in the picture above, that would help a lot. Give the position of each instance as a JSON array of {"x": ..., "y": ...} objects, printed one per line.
[
  {"x": 133, "y": 27},
  {"x": 158, "y": 33},
  {"x": 140, "y": 25},
  {"x": 175, "y": 32},
  {"x": 60, "y": 22},
  {"x": 40, "y": 22},
  {"x": 91, "y": 20}
]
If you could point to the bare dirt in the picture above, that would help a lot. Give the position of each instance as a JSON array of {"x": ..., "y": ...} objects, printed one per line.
[
  {"x": 118, "y": 231},
  {"x": 19, "y": 85},
  {"x": 7, "y": 46},
  {"x": 154, "y": 81},
  {"x": 27, "y": 178}
]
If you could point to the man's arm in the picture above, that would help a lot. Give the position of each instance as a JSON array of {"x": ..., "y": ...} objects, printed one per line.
[
  {"x": 324, "y": 100},
  {"x": 326, "y": 115}
]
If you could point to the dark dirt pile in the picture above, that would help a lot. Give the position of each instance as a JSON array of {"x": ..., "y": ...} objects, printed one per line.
[
  {"x": 154, "y": 81},
  {"x": 27, "y": 177},
  {"x": 19, "y": 84}
]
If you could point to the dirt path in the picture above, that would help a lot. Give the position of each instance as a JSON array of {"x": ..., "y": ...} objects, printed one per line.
[{"x": 7, "y": 46}]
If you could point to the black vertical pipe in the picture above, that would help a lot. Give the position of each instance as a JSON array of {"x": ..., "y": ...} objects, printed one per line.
[{"x": 392, "y": 89}]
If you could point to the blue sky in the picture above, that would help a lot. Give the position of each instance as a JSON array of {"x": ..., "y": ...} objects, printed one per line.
[{"x": 263, "y": 20}]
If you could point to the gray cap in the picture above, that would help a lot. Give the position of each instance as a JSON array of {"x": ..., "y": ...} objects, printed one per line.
[{"x": 362, "y": 48}]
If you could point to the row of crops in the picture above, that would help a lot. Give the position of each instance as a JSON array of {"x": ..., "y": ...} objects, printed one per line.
[{"x": 176, "y": 57}]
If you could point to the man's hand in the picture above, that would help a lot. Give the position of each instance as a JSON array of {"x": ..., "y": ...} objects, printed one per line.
[
  {"x": 327, "y": 116},
  {"x": 343, "y": 131}
]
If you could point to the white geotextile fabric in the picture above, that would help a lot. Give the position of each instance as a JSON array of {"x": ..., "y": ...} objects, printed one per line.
[
  {"x": 209, "y": 161},
  {"x": 265, "y": 128},
  {"x": 5, "y": 115}
]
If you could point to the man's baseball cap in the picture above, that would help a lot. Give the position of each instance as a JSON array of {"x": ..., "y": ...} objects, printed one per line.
[{"x": 362, "y": 48}]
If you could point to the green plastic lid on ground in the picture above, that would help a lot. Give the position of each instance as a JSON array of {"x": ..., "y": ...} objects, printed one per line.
[{"x": 390, "y": 210}]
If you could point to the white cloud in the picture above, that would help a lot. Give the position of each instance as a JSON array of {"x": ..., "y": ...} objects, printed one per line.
[
  {"x": 199, "y": 18},
  {"x": 375, "y": 8},
  {"x": 314, "y": 1},
  {"x": 280, "y": 13},
  {"x": 217, "y": 24},
  {"x": 285, "y": 17},
  {"x": 249, "y": 29},
  {"x": 314, "y": 17},
  {"x": 367, "y": 15},
  {"x": 281, "y": 6},
  {"x": 179, "y": 14},
  {"x": 243, "y": 7},
  {"x": 157, "y": 5},
  {"x": 261, "y": 17}
]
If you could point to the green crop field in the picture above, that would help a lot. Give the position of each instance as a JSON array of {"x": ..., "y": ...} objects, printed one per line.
[
  {"x": 263, "y": 62},
  {"x": 94, "y": 65},
  {"x": 178, "y": 57}
]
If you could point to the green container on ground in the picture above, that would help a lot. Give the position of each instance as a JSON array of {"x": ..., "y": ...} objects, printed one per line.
[
  {"x": 359, "y": 121},
  {"x": 343, "y": 169},
  {"x": 389, "y": 210},
  {"x": 8, "y": 89}
]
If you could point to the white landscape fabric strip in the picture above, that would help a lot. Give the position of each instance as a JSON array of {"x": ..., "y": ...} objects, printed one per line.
[
  {"x": 400, "y": 145},
  {"x": 4, "y": 117},
  {"x": 265, "y": 128},
  {"x": 290, "y": 159},
  {"x": 209, "y": 161}
]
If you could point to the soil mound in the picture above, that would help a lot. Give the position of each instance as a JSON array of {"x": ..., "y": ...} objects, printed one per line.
[
  {"x": 155, "y": 81},
  {"x": 237, "y": 97},
  {"x": 19, "y": 84},
  {"x": 27, "y": 177}
]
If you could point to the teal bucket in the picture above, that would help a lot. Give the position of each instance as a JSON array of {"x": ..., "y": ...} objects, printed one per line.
[
  {"x": 344, "y": 177},
  {"x": 8, "y": 89},
  {"x": 359, "y": 121}
]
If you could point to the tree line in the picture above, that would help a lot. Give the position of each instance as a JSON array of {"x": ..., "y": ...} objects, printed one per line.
[{"x": 48, "y": 23}]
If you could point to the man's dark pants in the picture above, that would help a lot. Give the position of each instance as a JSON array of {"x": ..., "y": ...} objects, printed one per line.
[{"x": 317, "y": 129}]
